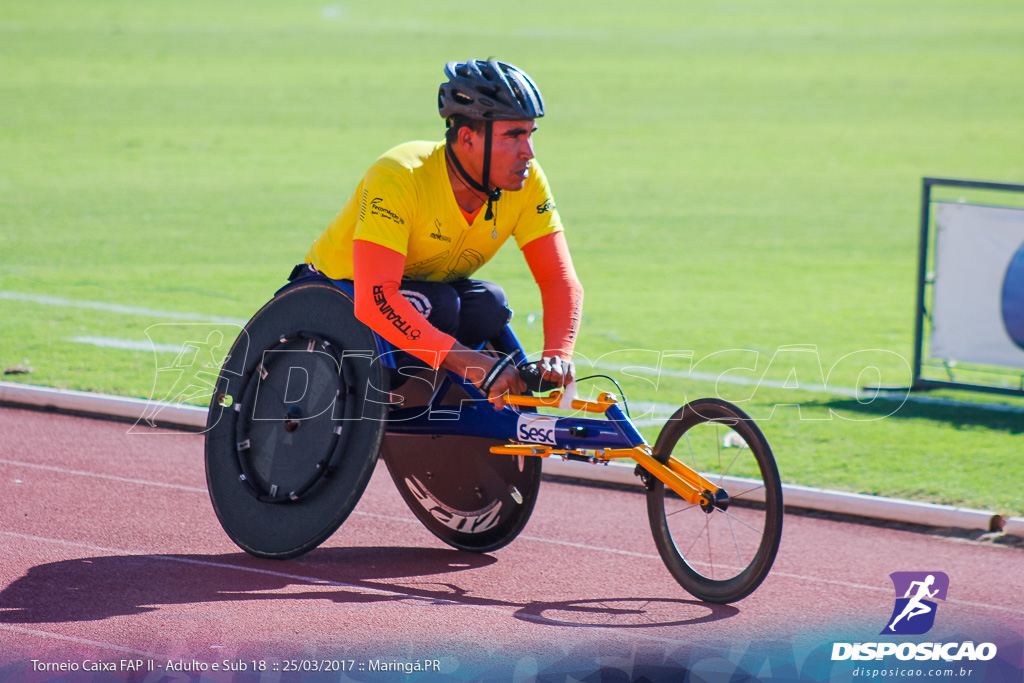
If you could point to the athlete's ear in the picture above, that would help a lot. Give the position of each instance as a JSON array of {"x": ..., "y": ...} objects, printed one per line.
[{"x": 466, "y": 137}]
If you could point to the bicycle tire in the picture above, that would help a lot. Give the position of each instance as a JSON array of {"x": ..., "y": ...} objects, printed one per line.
[{"x": 717, "y": 555}]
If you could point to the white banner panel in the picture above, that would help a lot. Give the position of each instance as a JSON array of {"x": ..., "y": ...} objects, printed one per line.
[{"x": 978, "y": 297}]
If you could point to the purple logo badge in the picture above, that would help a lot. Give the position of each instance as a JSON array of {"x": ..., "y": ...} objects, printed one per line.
[{"x": 916, "y": 592}]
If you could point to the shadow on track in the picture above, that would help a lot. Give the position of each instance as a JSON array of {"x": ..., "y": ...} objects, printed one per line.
[{"x": 96, "y": 588}]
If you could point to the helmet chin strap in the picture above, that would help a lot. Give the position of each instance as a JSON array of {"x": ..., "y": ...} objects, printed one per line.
[{"x": 492, "y": 195}]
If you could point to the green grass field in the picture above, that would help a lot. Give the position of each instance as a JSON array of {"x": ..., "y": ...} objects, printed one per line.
[{"x": 734, "y": 176}]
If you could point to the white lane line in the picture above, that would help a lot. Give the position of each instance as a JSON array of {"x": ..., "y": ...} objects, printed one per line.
[
  {"x": 117, "y": 308},
  {"x": 81, "y": 641},
  {"x": 178, "y": 487},
  {"x": 583, "y": 546},
  {"x": 535, "y": 539},
  {"x": 668, "y": 409},
  {"x": 773, "y": 573},
  {"x": 879, "y": 589},
  {"x": 433, "y": 600},
  {"x": 97, "y": 475},
  {"x": 121, "y": 552},
  {"x": 723, "y": 378},
  {"x": 901, "y": 396},
  {"x": 388, "y": 518},
  {"x": 503, "y": 609},
  {"x": 128, "y": 344}
]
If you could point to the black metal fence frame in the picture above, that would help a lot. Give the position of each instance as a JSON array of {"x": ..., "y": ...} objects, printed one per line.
[{"x": 919, "y": 383}]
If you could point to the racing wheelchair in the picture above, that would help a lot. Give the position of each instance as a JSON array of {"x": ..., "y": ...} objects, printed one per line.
[{"x": 303, "y": 409}]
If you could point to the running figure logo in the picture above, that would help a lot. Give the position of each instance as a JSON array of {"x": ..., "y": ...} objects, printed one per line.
[{"x": 914, "y": 612}]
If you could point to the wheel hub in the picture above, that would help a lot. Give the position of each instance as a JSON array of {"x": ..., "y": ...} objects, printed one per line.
[
  {"x": 292, "y": 419},
  {"x": 709, "y": 501}
]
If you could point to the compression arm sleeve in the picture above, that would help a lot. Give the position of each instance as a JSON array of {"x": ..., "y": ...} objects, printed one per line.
[
  {"x": 380, "y": 305},
  {"x": 561, "y": 292}
]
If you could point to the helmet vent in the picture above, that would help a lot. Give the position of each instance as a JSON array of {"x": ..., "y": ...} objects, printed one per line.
[{"x": 516, "y": 90}]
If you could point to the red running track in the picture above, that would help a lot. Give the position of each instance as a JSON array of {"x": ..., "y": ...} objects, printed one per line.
[{"x": 111, "y": 551}]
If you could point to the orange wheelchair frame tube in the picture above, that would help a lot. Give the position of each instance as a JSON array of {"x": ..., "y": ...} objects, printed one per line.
[{"x": 679, "y": 477}]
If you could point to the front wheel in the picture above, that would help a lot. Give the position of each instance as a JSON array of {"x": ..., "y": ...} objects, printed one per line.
[{"x": 718, "y": 552}]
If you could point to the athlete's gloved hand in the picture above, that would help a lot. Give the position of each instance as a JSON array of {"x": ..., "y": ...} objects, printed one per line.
[
  {"x": 502, "y": 379},
  {"x": 533, "y": 375},
  {"x": 547, "y": 374}
]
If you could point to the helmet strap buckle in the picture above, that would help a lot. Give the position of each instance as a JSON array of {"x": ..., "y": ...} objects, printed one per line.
[{"x": 494, "y": 194}]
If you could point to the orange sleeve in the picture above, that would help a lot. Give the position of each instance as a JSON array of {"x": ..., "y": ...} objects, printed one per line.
[
  {"x": 380, "y": 305},
  {"x": 561, "y": 292}
]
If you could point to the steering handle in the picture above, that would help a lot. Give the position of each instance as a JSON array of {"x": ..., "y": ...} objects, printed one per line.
[{"x": 531, "y": 374}]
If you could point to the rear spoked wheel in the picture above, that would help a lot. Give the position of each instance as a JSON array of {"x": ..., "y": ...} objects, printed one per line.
[{"x": 722, "y": 550}]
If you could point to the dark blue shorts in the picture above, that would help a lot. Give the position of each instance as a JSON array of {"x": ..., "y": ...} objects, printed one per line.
[{"x": 472, "y": 311}]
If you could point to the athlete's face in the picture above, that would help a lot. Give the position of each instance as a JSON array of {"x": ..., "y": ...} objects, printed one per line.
[{"x": 511, "y": 153}]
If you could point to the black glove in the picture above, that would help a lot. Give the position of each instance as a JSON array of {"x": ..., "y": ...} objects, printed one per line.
[{"x": 534, "y": 378}]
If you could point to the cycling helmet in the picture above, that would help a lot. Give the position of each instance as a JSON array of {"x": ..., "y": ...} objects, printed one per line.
[{"x": 489, "y": 90}]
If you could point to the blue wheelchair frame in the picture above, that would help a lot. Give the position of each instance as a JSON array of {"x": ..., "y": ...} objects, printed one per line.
[
  {"x": 477, "y": 416},
  {"x": 445, "y": 404}
]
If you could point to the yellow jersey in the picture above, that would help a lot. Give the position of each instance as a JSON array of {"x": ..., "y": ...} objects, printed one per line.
[{"x": 405, "y": 202}]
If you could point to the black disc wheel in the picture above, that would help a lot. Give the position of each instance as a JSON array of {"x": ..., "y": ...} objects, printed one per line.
[
  {"x": 296, "y": 423},
  {"x": 468, "y": 497},
  {"x": 720, "y": 548},
  {"x": 462, "y": 493}
]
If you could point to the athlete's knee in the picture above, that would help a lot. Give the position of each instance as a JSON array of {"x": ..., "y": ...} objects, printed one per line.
[
  {"x": 485, "y": 311},
  {"x": 436, "y": 301}
]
